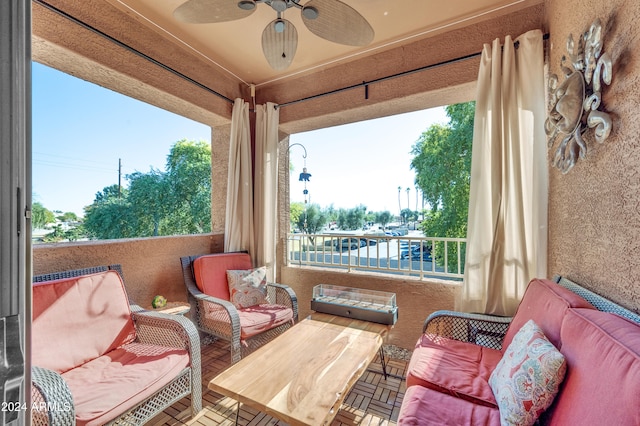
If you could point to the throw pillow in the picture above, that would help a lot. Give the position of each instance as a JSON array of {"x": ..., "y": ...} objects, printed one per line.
[
  {"x": 248, "y": 287},
  {"x": 527, "y": 378}
]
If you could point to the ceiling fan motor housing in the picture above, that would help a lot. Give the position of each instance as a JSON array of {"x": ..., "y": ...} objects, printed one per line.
[{"x": 279, "y": 5}]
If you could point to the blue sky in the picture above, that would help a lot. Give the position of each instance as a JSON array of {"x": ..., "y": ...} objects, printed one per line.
[
  {"x": 361, "y": 163},
  {"x": 80, "y": 130}
]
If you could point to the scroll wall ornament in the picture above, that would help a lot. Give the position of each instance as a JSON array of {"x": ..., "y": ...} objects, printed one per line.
[{"x": 576, "y": 102}]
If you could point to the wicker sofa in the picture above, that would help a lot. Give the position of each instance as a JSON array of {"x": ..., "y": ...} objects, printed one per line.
[
  {"x": 448, "y": 376},
  {"x": 98, "y": 360}
]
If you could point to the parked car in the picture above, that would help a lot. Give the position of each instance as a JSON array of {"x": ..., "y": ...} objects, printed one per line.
[
  {"x": 349, "y": 244},
  {"x": 416, "y": 254},
  {"x": 367, "y": 242}
]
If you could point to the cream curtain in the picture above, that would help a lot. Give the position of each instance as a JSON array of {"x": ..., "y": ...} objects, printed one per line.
[
  {"x": 507, "y": 228},
  {"x": 266, "y": 186},
  {"x": 238, "y": 234}
]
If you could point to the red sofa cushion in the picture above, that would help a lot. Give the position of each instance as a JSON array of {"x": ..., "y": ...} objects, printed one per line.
[
  {"x": 602, "y": 383},
  {"x": 546, "y": 303},
  {"x": 107, "y": 386},
  {"x": 79, "y": 319},
  {"x": 427, "y": 407},
  {"x": 458, "y": 368},
  {"x": 210, "y": 272}
]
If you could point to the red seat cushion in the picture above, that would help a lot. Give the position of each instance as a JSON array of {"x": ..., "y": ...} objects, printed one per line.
[
  {"x": 457, "y": 368},
  {"x": 210, "y": 272},
  {"x": 109, "y": 385},
  {"x": 427, "y": 407},
  {"x": 546, "y": 303},
  {"x": 602, "y": 384},
  {"x": 79, "y": 319},
  {"x": 253, "y": 320}
]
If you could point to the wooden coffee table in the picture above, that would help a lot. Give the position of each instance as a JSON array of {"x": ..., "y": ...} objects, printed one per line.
[{"x": 302, "y": 376}]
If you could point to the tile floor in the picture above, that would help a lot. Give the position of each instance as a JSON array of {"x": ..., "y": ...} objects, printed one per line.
[{"x": 372, "y": 400}]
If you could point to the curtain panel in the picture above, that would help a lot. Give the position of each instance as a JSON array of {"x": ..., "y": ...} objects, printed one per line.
[
  {"x": 507, "y": 225},
  {"x": 239, "y": 231},
  {"x": 266, "y": 186}
]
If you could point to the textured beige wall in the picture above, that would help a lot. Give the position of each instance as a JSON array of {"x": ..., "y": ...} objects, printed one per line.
[
  {"x": 150, "y": 265},
  {"x": 594, "y": 210}
]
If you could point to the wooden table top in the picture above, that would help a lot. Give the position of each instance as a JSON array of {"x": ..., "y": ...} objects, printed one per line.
[{"x": 302, "y": 376}]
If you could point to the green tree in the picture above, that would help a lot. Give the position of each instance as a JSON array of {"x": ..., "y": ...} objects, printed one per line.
[
  {"x": 176, "y": 201},
  {"x": 408, "y": 215},
  {"x": 383, "y": 218},
  {"x": 68, "y": 217},
  {"x": 352, "y": 218},
  {"x": 109, "y": 217},
  {"x": 296, "y": 210},
  {"x": 312, "y": 221},
  {"x": 149, "y": 200},
  {"x": 442, "y": 162},
  {"x": 40, "y": 216},
  {"x": 189, "y": 179}
]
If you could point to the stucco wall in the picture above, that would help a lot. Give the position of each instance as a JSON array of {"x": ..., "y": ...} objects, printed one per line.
[
  {"x": 415, "y": 299},
  {"x": 150, "y": 266},
  {"x": 594, "y": 210}
]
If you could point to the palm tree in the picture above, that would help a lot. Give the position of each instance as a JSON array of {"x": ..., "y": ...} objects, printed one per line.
[
  {"x": 399, "y": 204},
  {"x": 408, "y": 205}
]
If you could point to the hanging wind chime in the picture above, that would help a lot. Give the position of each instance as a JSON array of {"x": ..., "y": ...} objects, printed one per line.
[{"x": 304, "y": 177}]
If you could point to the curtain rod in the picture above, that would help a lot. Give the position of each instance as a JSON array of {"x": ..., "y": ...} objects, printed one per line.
[
  {"x": 130, "y": 49},
  {"x": 390, "y": 77}
]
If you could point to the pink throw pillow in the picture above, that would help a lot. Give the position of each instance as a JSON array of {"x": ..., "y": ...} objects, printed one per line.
[
  {"x": 248, "y": 287},
  {"x": 527, "y": 378}
]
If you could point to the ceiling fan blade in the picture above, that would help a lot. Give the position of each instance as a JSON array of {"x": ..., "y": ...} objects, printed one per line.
[
  {"x": 279, "y": 43},
  {"x": 336, "y": 21},
  {"x": 210, "y": 11}
]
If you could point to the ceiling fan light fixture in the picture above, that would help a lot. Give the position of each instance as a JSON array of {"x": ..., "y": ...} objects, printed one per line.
[
  {"x": 279, "y": 47},
  {"x": 247, "y": 4},
  {"x": 278, "y": 25},
  {"x": 310, "y": 12},
  {"x": 279, "y": 5}
]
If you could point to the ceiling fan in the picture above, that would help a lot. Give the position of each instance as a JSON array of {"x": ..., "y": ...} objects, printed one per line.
[{"x": 332, "y": 20}]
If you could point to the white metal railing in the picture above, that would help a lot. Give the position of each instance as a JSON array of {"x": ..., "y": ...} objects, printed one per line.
[{"x": 418, "y": 256}]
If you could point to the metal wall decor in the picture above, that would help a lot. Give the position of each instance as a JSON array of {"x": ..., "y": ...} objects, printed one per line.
[{"x": 575, "y": 104}]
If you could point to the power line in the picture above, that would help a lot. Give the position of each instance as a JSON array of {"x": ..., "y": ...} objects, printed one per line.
[{"x": 70, "y": 166}]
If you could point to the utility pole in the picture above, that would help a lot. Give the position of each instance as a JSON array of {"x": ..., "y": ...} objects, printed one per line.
[{"x": 119, "y": 178}]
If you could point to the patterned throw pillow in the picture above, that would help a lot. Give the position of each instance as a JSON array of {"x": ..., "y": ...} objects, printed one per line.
[
  {"x": 248, "y": 287},
  {"x": 527, "y": 378}
]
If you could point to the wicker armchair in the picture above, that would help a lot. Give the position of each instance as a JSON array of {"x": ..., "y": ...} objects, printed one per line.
[
  {"x": 217, "y": 316},
  {"x": 53, "y": 399}
]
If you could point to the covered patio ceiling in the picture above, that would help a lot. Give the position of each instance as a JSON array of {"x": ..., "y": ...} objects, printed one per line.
[{"x": 226, "y": 58}]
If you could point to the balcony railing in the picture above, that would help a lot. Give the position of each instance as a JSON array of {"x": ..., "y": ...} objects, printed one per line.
[{"x": 422, "y": 257}]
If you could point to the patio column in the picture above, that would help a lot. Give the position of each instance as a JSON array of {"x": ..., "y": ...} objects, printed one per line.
[
  {"x": 219, "y": 170},
  {"x": 283, "y": 202}
]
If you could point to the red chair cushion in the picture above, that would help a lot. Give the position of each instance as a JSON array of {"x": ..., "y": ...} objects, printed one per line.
[
  {"x": 453, "y": 367},
  {"x": 79, "y": 319},
  {"x": 107, "y": 386},
  {"x": 602, "y": 384},
  {"x": 546, "y": 303},
  {"x": 210, "y": 272},
  {"x": 258, "y": 318},
  {"x": 253, "y": 320},
  {"x": 427, "y": 407}
]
